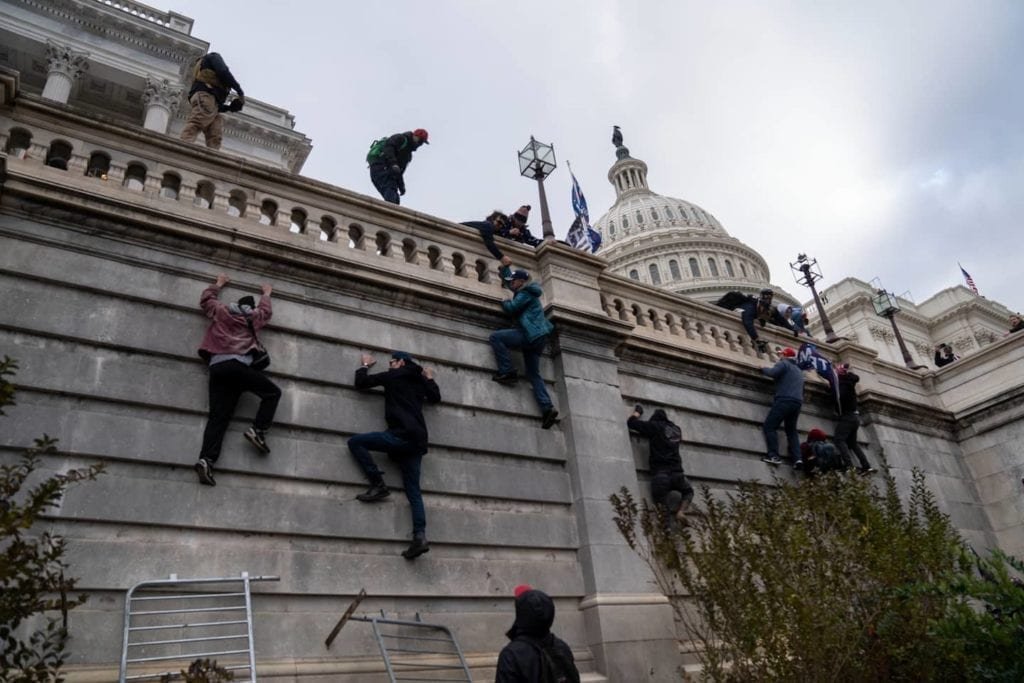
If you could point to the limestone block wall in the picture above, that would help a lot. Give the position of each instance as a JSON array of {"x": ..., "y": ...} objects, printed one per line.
[{"x": 99, "y": 285}]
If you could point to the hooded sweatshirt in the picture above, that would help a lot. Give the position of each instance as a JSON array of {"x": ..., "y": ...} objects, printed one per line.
[
  {"x": 521, "y": 660},
  {"x": 228, "y": 333},
  {"x": 405, "y": 390},
  {"x": 664, "y": 455}
]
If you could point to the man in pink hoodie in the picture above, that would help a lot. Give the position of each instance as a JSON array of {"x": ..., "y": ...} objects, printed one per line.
[{"x": 229, "y": 347}]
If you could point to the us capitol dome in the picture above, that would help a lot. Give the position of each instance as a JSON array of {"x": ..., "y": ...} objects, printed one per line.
[{"x": 672, "y": 243}]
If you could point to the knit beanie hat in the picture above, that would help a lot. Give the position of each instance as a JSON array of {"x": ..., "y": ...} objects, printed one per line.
[
  {"x": 816, "y": 435},
  {"x": 522, "y": 214}
]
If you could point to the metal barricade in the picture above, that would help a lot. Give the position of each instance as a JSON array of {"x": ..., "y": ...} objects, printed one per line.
[{"x": 158, "y": 627}]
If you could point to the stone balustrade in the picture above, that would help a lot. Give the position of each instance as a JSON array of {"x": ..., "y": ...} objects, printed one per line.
[{"x": 170, "y": 20}]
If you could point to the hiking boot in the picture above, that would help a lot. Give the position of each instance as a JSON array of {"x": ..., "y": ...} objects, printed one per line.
[
  {"x": 549, "y": 419},
  {"x": 866, "y": 470},
  {"x": 418, "y": 546},
  {"x": 772, "y": 460},
  {"x": 205, "y": 471},
  {"x": 258, "y": 438},
  {"x": 374, "y": 493},
  {"x": 506, "y": 377},
  {"x": 798, "y": 464}
]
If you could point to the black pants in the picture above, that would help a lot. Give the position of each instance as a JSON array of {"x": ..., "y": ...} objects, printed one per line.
[
  {"x": 666, "y": 481},
  {"x": 227, "y": 382},
  {"x": 385, "y": 182},
  {"x": 846, "y": 440}
]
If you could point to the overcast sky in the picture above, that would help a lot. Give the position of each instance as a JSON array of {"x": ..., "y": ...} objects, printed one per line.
[{"x": 884, "y": 138}]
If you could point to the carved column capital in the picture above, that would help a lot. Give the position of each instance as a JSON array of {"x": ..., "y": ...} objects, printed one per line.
[
  {"x": 63, "y": 60},
  {"x": 161, "y": 93}
]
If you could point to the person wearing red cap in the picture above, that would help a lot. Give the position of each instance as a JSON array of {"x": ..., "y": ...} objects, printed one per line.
[
  {"x": 785, "y": 410},
  {"x": 820, "y": 455},
  {"x": 534, "y": 653},
  {"x": 389, "y": 159}
]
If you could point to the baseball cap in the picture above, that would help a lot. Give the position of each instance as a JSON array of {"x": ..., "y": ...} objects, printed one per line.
[
  {"x": 517, "y": 275},
  {"x": 422, "y": 134}
]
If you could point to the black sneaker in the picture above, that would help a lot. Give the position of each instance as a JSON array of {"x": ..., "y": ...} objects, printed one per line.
[
  {"x": 418, "y": 546},
  {"x": 798, "y": 465},
  {"x": 506, "y": 377},
  {"x": 374, "y": 493},
  {"x": 549, "y": 419},
  {"x": 205, "y": 471},
  {"x": 772, "y": 460},
  {"x": 257, "y": 438}
]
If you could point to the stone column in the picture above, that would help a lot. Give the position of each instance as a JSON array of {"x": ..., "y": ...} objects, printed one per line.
[
  {"x": 64, "y": 67},
  {"x": 162, "y": 99}
]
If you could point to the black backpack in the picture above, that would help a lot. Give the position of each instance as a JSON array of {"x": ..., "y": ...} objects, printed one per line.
[
  {"x": 732, "y": 300},
  {"x": 672, "y": 433},
  {"x": 826, "y": 456},
  {"x": 554, "y": 666}
]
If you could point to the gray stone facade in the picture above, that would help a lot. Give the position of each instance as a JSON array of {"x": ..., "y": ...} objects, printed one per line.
[{"x": 100, "y": 281}]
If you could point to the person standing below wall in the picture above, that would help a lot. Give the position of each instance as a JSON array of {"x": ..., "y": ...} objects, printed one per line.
[
  {"x": 406, "y": 387},
  {"x": 229, "y": 347},
  {"x": 212, "y": 81},
  {"x": 785, "y": 410},
  {"x": 670, "y": 488},
  {"x": 535, "y": 654},
  {"x": 530, "y": 334},
  {"x": 388, "y": 159},
  {"x": 849, "y": 421},
  {"x": 944, "y": 355}
]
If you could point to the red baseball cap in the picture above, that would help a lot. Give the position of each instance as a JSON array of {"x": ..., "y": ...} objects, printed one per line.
[
  {"x": 422, "y": 135},
  {"x": 788, "y": 352}
]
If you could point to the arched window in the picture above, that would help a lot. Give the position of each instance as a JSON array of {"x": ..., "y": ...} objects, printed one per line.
[
  {"x": 743, "y": 268},
  {"x": 673, "y": 269},
  {"x": 19, "y": 141},
  {"x": 268, "y": 212},
  {"x": 654, "y": 214},
  {"x": 634, "y": 275},
  {"x": 135, "y": 177},
  {"x": 655, "y": 275},
  {"x": 668, "y": 213},
  {"x": 59, "y": 155},
  {"x": 625, "y": 223},
  {"x": 713, "y": 267},
  {"x": 170, "y": 186},
  {"x": 639, "y": 218},
  {"x": 694, "y": 267},
  {"x": 728, "y": 268},
  {"x": 611, "y": 228}
]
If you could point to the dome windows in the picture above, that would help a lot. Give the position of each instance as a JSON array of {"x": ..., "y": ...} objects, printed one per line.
[
  {"x": 625, "y": 223},
  {"x": 728, "y": 268},
  {"x": 694, "y": 267},
  {"x": 743, "y": 268},
  {"x": 654, "y": 214},
  {"x": 639, "y": 218},
  {"x": 634, "y": 275},
  {"x": 668, "y": 213},
  {"x": 655, "y": 275},
  {"x": 713, "y": 267},
  {"x": 673, "y": 269},
  {"x": 611, "y": 228}
]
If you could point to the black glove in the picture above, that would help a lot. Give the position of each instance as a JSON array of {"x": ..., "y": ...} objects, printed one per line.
[
  {"x": 638, "y": 409},
  {"x": 236, "y": 104}
]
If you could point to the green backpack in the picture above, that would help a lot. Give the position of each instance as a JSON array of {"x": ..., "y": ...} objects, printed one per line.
[{"x": 377, "y": 148}]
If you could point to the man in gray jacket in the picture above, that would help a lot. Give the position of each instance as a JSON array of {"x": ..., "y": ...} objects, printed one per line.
[{"x": 789, "y": 398}]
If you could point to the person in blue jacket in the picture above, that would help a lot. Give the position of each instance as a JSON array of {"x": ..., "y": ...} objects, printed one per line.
[{"x": 530, "y": 335}]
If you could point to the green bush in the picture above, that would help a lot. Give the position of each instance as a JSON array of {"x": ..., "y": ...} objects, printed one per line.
[
  {"x": 829, "y": 580},
  {"x": 32, "y": 581}
]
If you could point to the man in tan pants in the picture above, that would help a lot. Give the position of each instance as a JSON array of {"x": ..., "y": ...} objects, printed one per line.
[{"x": 212, "y": 81}]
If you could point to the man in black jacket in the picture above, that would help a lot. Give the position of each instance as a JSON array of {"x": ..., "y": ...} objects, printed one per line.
[
  {"x": 387, "y": 164},
  {"x": 669, "y": 486},
  {"x": 535, "y": 654},
  {"x": 759, "y": 309},
  {"x": 212, "y": 81},
  {"x": 849, "y": 420},
  {"x": 406, "y": 387},
  {"x": 516, "y": 228}
]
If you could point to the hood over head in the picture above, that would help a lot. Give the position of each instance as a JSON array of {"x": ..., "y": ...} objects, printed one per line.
[{"x": 535, "y": 612}]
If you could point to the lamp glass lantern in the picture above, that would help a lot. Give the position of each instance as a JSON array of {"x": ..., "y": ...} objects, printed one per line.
[
  {"x": 885, "y": 303},
  {"x": 536, "y": 160}
]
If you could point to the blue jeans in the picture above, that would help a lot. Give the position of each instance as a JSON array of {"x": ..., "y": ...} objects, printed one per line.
[
  {"x": 409, "y": 458},
  {"x": 503, "y": 340},
  {"x": 385, "y": 182},
  {"x": 784, "y": 411}
]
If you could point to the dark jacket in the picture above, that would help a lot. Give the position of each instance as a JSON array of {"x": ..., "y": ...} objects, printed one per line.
[
  {"x": 751, "y": 310},
  {"x": 405, "y": 390},
  {"x": 664, "y": 455},
  {"x": 212, "y": 75},
  {"x": 527, "y": 309},
  {"x": 789, "y": 380},
  {"x": 524, "y": 236},
  {"x": 520, "y": 661},
  {"x": 848, "y": 392},
  {"x": 942, "y": 359},
  {"x": 397, "y": 151},
  {"x": 1017, "y": 328},
  {"x": 487, "y": 232},
  {"x": 229, "y": 330}
]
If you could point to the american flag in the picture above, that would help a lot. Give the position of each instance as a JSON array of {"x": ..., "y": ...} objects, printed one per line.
[
  {"x": 581, "y": 235},
  {"x": 969, "y": 280}
]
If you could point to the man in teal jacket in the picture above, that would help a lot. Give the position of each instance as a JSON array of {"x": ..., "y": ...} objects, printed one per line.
[{"x": 530, "y": 335}]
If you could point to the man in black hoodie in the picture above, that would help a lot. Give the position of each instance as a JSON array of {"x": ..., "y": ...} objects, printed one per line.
[
  {"x": 849, "y": 421},
  {"x": 406, "y": 387},
  {"x": 535, "y": 654},
  {"x": 669, "y": 486},
  {"x": 388, "y": 161},
  {"x": 212, "y": 81}
]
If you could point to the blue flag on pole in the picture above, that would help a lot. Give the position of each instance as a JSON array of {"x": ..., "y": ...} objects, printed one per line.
[{"x": 581, "y": 235}]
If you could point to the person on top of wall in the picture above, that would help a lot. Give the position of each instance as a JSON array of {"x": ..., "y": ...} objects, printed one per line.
[
  {"x": 670, "y": 488},
  {"x": 1016, "y": 324},
  {"x": 495, "y": 222},
  {"x": 406, "y": 387},
  {"x": 534, "y": 653},
  {"x": 230, "y": 346},
  {"x": 785, "y": 410},
  {"x": 517, "y": 230},
  {"x": 760, "y": 309},
  {"x": 849, "y": 420},
  {"x": 212, "y": 82},
  {"x": 530, "y": 335},
  {"x": 796, "y": 317},
  {"x": 388, "y": 158},
  {"x": 944, "y": 355}
]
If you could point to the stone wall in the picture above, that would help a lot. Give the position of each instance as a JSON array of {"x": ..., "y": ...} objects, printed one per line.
[{"x": 100, "y": 285}]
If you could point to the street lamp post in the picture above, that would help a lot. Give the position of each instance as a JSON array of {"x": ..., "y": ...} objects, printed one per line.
[
  {"x": 537, "y": 161},
  {"x": 806, "y": 272},
  {"x": 886, "y": 306}
]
